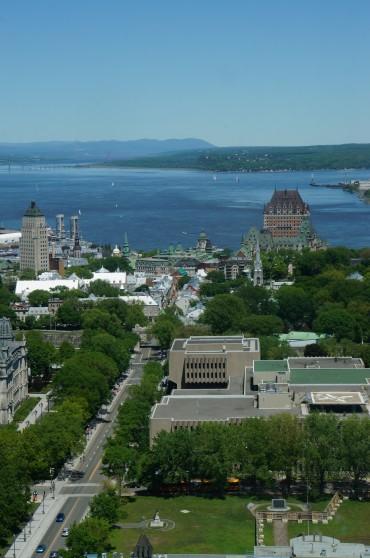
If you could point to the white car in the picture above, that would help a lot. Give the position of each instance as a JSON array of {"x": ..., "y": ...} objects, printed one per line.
[{"x": 65, "y": 532}]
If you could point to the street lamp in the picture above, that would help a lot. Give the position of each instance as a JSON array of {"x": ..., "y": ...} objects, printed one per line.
[
  {"x": 43, "y": 503},
  {"x": 14, "y": 554}
]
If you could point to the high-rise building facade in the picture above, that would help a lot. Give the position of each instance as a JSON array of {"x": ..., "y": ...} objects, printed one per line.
[
  {"x": 33, "y": 246},
  {"x": 60, "y": 227},
  {"x": 74, "y": 227},
  {"x": 285, "y": 213}
]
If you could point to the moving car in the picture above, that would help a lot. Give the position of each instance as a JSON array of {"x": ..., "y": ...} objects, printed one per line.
[
  {"x": 41, "y": 549},
  {"x": 60, "y": 517}
]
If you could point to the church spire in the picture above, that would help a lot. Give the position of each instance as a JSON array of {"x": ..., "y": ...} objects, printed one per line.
[{"x": 258, "y": 269}]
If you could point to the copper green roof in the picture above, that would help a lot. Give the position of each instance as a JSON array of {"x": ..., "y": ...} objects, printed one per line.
[
  {"x": 300, "y": 336},
  {"x": 329, "y": 376},
  {"x": 33, "y": 211},
  {"x": 270, "y": 366}
]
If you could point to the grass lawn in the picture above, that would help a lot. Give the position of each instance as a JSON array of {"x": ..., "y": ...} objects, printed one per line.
[
  {"x": 350, "y": 524},
  {"x": 25, "y": 408},
  {"x": 214, "y": 525}
]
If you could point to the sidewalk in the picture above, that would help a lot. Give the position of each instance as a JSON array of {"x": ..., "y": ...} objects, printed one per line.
[
  {"x": 35, "y": 530},
  {"x": 37, "y": 412}
]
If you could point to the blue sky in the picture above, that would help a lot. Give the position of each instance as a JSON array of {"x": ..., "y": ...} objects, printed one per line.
[{"x": 234, "y": 72}]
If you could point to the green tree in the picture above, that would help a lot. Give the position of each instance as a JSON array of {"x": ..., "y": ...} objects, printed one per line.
[
  {"x": 41, "y": 354},
  {"x": 295, "y": 306},
  {"x": 135, "y": 316},
  {"x": 70, "y": 313},
  {"x": 165, "y": 326},
  {"x": 225, "y": 313},
  {"x": 101, "y": 320},
  {"x": 356, "y": 448},
  {"x": 66, "y": 350},
  {"x": 91, "y": 535},
  {"x": 263, "y": 325},
  {"x": 39, "y": 298},
  {"x": 322, "y": 448},
  {"x": 111, "y": 346},
  {"x": 336, "y": 321},
  {"x": 103, "y": 288},
  {"x": 106, "y": 505}
]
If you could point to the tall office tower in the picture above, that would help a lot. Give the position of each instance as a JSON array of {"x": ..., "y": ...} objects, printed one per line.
[
  {"x": 61, "y": 234},
  {"x": 33, "y": 246},
  {"x": 74, "y": 227}
]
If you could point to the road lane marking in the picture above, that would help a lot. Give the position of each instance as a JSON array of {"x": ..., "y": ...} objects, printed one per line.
[
  {"x": 59, "y": 530},
  {"x": 95, "y": 469}
]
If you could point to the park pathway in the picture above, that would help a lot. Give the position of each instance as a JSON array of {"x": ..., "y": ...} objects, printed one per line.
[{"x": 280, "y": 531}]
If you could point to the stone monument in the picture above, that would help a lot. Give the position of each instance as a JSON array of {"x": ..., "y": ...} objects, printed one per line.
[{"x": 156, "y": 521}]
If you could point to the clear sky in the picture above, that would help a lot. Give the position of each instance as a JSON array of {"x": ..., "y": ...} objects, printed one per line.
[{"x": 234, "y": 72}]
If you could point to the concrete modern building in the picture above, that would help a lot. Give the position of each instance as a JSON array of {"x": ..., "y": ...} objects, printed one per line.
[
  {"x": 313, "y": 546},
  {"x": 223, "y": 386},
  {"x": 74, "y": 227},
  {"x": 33, "y": 246},
  {"x": 210, "y": 361},
  {"x": 60, "y": 229},
  {"x": 327, "y": 384},
  {"x": 212, "y": 375},
  {"x": 13, "y": 372}
]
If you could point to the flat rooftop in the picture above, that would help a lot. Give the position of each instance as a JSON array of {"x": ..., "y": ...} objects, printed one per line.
[
  {"x": 210, "y": 408},
  {"x": 330, "y": 376},
  {"x": 280, "y": 366},
  {"x": 325, "y": 362},
  {"x": 216, "y": 344},
  {"x": 337, "y": 398}
]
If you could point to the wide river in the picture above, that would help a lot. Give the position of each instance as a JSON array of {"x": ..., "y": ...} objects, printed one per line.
[{"x": 159, "y": 207}]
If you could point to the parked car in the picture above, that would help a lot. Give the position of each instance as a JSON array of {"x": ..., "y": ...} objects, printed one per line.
[
  {"x": 60, "y": 517},
  {"x": 54, "y": 554},
  {"x": 65, "y": 532}
]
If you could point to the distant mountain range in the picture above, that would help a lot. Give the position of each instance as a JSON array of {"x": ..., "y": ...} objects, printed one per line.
[
  {"x": 93, "y": 151},
  {"x": 248, "y": 159}
]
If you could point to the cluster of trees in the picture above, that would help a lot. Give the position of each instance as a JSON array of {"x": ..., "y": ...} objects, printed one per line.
[
  {"x": 80, "y": 387},
  {"x": 261, "y": 452},
  {"x": 249, "y": 159},
  {"x": 92, "y": 534},
  {"x": 168, "y": 326},
  {"x": 28, "y": 456},
  {"x": 324, "y": 298},
  {"x": 107, "y": 342},
  {"x": 125, "y": 451}
]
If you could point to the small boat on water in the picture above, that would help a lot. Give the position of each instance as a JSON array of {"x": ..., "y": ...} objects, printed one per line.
[{"x": 345, "y": 184}]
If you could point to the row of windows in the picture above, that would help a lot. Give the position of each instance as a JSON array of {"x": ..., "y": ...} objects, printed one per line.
[
  {"x": 205, "y": 375},
  {"x": 203, "y": 364}
]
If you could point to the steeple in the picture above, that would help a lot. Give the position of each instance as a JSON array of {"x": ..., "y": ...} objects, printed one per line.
[
  {"x": 143, "y": 548},
  {"x": 258, "y": 269}
]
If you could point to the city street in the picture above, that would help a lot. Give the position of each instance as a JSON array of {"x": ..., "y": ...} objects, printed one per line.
[{"x": 73, "y": 497}]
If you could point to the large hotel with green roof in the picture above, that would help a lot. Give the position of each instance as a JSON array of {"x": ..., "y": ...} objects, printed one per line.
[{"x": 222, "y": 379}]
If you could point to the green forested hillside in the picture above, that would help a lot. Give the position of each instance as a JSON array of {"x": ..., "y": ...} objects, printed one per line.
[{"x": 244, "y": 159}]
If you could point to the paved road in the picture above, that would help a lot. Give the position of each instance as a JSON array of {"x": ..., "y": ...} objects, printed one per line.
[{"x": 74, "y": 497}]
